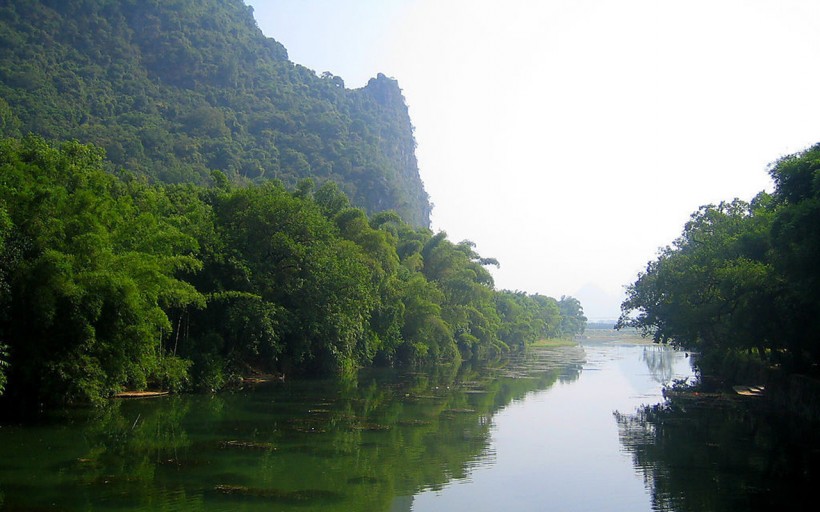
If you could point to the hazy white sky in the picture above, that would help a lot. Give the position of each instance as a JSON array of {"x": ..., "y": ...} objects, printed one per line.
[{"x": 570, "y": 139}]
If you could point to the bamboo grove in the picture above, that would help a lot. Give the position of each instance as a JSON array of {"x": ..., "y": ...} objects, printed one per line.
[{"x": 111, "y": 282}]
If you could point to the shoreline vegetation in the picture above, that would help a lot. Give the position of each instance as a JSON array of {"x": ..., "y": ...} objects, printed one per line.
[
  {"x": 182, "y": 207},
  {"x": 613, "y": 335},
  {"x": 140, "y": 394},
  {"x": 554, "y": 343},
  {"x": 111, "y": 283},
  {"x": 741, "y": 288}
]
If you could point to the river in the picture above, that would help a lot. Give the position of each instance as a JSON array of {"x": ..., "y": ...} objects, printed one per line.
[{"x": 555, "y": 429}]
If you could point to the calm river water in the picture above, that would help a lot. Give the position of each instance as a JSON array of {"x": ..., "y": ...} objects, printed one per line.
[{"x": 557, "y": 429}]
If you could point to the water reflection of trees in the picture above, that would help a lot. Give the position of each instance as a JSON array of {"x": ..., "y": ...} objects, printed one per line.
[
  {"x": 353, "y": 444},
  {"x": 709, "y": 454},
  {"x": 660, "y": 362}
]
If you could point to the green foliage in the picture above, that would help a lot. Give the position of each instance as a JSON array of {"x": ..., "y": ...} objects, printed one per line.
[
  {"x": 573, "y": 322},
  {"x": 527, "y": 319},
  {"x": 742, "y": 276},
  {"x": 86, "y": 292},
  {"x": 289, "y": 236},
  {"x": 3, "y": 364},
  {"x": 711, "y": 289},
  {"x": 175, "y": 89},
  {"x": 110, "y": 282},
  {"x": 795, "y": 242}
]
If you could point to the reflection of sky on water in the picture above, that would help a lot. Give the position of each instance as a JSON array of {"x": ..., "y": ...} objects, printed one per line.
[{"x": 559, "y": 449}]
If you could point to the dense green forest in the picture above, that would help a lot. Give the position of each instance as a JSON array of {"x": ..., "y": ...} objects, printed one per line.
[
  {"x": 111, "y": 282},
  {"x": 174, "y": 89},
  {"x": 741, "y": 285},
  {"x": 182, "y": 206}
]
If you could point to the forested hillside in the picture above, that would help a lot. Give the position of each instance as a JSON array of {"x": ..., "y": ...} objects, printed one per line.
[
  {"x": 181, "y": 206},
  {"x": 177, "y": 88}
]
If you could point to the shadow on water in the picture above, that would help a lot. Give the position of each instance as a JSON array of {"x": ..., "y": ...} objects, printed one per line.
[
  {"x": 308, "y": 445},
  {"x": 715, "y": 453}
]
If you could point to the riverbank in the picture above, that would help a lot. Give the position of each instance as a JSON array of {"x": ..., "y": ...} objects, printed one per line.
[
  {"x": 765, "y": 389},
  {"x": 785, "y": 392},
  {"x": 612, "y": 335},
  {"x": 554, "y": 343}
]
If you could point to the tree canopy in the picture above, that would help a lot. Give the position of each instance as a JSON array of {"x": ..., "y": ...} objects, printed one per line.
[
  {"x": 743, "y": 277},
  {"x": 111, "y": 282},
  {"x": 181, "y": 205}
]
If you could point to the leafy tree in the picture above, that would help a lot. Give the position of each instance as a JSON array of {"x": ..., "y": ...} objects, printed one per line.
[
  {"x": 527, "y": 318},
  {"x": 425, "y": 334},
  {"x": 5, "y": 227},
  {"x": 294, "y": 259},
  {"x": 742, "y": 277},
  {"x": 3, "y": 365},
  {"x": 85, "y": 299},
  {"x": 708, "y": 290},
  {"x": 573, "y": 320},
  {"x": 795, "y": 249},
  {"x": 110, "y": 282}
]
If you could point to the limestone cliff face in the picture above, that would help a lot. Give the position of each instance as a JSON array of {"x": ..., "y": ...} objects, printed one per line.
[
  {"x": 397, "y": 143},
  {"x": 178, "y": 88}
]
